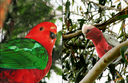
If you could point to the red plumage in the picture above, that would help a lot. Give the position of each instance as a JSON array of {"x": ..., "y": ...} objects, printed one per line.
[
  {"x": 33, "y": 75},
  {"x": 24, "y": 75},
  {"x": 97, "y": 38}
]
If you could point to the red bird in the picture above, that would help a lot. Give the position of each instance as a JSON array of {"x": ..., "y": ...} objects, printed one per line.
[
  {"x": 28, "y": 60},
  {"x": 97, "y": 38},
  {"x": 103, "y": 42}
]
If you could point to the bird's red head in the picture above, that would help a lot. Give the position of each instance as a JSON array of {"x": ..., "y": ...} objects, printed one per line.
[
  {"x": 44, "y": 33},
  {"x": 91, "y": 32}
]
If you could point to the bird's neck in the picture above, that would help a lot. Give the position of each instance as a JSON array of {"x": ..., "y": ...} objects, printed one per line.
[
  {"x": 101, "y": 42},
  {"x": 49, "y": 48},
  {"x": 97, "y": 39}
]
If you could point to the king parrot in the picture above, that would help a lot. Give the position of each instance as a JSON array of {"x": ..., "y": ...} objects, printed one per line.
[{"x": 28, "y": 60}]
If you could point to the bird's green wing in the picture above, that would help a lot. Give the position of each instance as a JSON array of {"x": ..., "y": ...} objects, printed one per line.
[{"x": 23, "y": 54}]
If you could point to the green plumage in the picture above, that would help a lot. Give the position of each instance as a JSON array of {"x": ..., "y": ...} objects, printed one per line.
[{"x": 23, "y": 54}]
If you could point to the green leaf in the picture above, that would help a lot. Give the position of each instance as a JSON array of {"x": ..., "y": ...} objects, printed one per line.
[
  {"x": 49, "y": 74},
  {"x": 122, "y": 17},
  {"x": 57, "y": 70},
  {"x": 102, "y": 2},
  {"x": 122, "y": 51},
  {"x": 81, "y": 22},
  {"x": 59, "y": 8},
  {"x": 127, "y": 79},
  {"x": 59, "y": 36},
  {"x": 67, "y": 9},
  {"x": 79, "y": 77}
]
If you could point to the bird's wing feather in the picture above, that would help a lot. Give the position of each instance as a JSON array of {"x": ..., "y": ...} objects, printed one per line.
[
  {"x": 113, "y": 42},
  {"x": 23, "y": 54},
  {"x": 110, "y": 40}
]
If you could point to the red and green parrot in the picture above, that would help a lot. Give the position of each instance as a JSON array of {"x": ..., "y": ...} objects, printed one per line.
[{"x": 28, "y": 60}]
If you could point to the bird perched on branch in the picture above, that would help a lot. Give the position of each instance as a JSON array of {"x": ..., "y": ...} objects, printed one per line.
[{"x": 102, "y": 42}]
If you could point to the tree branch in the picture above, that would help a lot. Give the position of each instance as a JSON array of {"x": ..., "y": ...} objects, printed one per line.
[
  {"x": 77, "y": 46},
  {"x": 101, "y": 26},
  {"x": 126, "y": 2},
  {"x": 104, "y": 7},
  {"x": 103, "y": 63},
  {"x": 113, "y": 19},
  {"x": 77, "y": 33},
  {"x": 4, "y": 6}
]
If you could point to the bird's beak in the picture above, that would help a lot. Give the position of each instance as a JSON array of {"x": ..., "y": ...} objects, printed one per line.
[{"x": 53, "y": 35}]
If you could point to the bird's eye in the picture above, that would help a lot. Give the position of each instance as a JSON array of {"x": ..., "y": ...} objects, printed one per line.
[
  {"x": 52, "y": 35},
  {"x": 41, "y": 28},
  {"x": 87, "y": 31}
]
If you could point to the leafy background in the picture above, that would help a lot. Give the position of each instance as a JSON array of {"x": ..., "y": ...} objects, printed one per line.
[
  {"x": 79, "y": 54},
  {"x": 23, "y": 15}
]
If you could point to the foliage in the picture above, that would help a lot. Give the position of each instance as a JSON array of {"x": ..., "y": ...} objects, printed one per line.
[
  {"x": 79, "y": 54},
  {"x": 23, "y": 15}
]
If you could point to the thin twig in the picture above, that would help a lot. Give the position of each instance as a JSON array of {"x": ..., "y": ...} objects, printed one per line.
[
  {"x": 104, "y": 7},
  {"x": 101, "y": 26}
]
